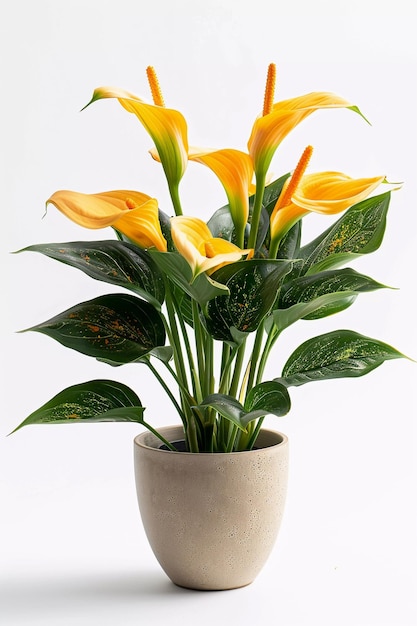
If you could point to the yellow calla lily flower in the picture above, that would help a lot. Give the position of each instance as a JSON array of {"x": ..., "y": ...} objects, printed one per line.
[
  {"x": 235, "y": 171},
  {"x": 132, "y": 213},
  {"x": 269, "y": 130},
  {"x": 202, "y": 251},
  {"x": 324, "y": 192},
  {"x": 167, "y": 127}
]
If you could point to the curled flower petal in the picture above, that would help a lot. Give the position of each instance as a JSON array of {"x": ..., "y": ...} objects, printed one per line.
[
  {"x": 234, "y": 169},
  {"x": 269, "y": 130},
  {"x": 202, "y": 251},
  {"x": 323, "y": 192},
  {"x": 131, "y": 212},
  {"x": 167, "y": 127},
  {"x": 333, "y": 192}
]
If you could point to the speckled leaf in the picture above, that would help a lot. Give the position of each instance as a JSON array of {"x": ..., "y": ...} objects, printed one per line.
[
  {"x": 115, "y": 262},
  {"x": 359, "y": 231},
  {"x": 117, "y": 328},
  {"x": 253, "y": 287},
  {"x": 266, "y": 398},
  {"x": 320, "y": 295},
  {"x": 202, "y": 289},
  {"x": 94, "y": 401},
  {"x": 271, "y": 397},
  {"x": 339, "y": 354},
  {"x": 321, "y": 306}
]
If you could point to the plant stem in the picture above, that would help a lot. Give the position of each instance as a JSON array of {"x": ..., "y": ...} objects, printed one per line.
[
  {"x": 257, "y": 208},
  {"x": 237, "y": 370},
  {"x": 175, "y": 197},
  {"x": 255, "y": 356},
  {"x": 167, "y": 389},
  {"x": 272, "y": 337},
  {"x": 199, "y": 345},
  {"x": 160, "y": 437}
]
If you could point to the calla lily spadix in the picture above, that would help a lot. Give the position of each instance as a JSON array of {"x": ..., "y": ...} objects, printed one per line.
[
  {"x": 323, "y": 192},
  {"x": 269, "y": 130},
  {"x": 202, "y": 251},
  {"x": 167, "y": 127},
  {"x": 132, "y": 213}
]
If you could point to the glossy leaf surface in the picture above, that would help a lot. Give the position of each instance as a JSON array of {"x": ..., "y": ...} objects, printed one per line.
[
  {"x": 94, "y": 401},
  {"x": 269, "y": 397},
  {"x": 253, "y": 287},
  {"x": 359, "y": 231},
  {"x": 117, "y": 328},
  {"x": 115, "y": 262},
  {"x": 339, "y": 354}
]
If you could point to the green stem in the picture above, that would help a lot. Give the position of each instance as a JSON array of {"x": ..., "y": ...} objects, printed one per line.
[
  {"x": 199, "y": 345},
  {"x": 227, "y": 360},
  {"x": 174, "y": 336},
  {"x": 237, "y": 370},
  {"x": 160, "y": 437},
  {"x": 167, "y": 389},
  {"x": 254, "y": 435},
  {"x": 272, "y": 337},
  {"x": 257, "y": 208},
  {"x": 255, "y": 357},
  {"x": 175, "y": 197},
  {"x": 187, "y": 345}
]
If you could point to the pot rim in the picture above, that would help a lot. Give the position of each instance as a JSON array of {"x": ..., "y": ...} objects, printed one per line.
[{"x": 281, "y": 440}]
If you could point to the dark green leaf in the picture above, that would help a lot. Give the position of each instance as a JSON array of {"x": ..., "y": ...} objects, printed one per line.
[
  {"x": 117, "y": 328},
  {"x": 227, "y": 407},
  {"x": 221, "y": 224},
  {"x": 272, "y": 193},
  {"x": 359, "y": 231},
  {"x": 320, "y": 307},
  {"x": 266, "y": 398},
  {"x": 339, "y": 354},
  {"x": 115, "y": 262},
  {"x": 271, "y": 397},
  {"x": 202, "y": 289},
  {"x": 253, "y": 287},
  {"x": 94, "y": 401},
  {"x": 318, "y": 295}
]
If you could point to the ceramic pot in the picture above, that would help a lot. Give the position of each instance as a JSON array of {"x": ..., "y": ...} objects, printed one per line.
[{"x": 211, "y": 519}]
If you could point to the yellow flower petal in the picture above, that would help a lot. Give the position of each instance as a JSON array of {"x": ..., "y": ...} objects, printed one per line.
[
  {"x": 133, "y": 213},
  {"x": 324, "y": 192},
  {"x": 202, "y": 251},
  {"x": 268, "y": 131},
  {"x": 234, "y": 169},
  {"x": 167, "y": 127},
  {"x": 333, "y": 192}
]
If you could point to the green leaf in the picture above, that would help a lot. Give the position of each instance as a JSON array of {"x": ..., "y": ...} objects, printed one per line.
[
  {"x": 271, "y": 397},
  {"x": 319, "y": 295},
  {"x": 266, "y": 398},
  {"x": 227, "y": 406},
  {"x": 253, "y": 287},
  {"x": 117, "y": 328},
  {"x": 320, "y": 307},
  {"x": 338, "y": 354},
  {"x": 94, "y": 401},
  {"x": 115, "y": 262},
  {"x": 359, "y": 231},
  {"x": 202, "y": 289},
  {"x": 221, "y": 224}
]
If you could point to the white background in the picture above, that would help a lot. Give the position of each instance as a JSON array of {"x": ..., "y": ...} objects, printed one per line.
[{"x": 72, "y": 548}]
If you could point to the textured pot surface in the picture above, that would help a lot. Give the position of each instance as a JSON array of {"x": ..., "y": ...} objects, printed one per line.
[{"x": 211, "y": 519}]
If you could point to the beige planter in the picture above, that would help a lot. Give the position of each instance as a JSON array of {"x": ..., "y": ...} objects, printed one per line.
[{"x": 211, "y": 519}]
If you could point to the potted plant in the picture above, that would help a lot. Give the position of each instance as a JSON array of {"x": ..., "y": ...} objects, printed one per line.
[{"x": 203, "y": 307}]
